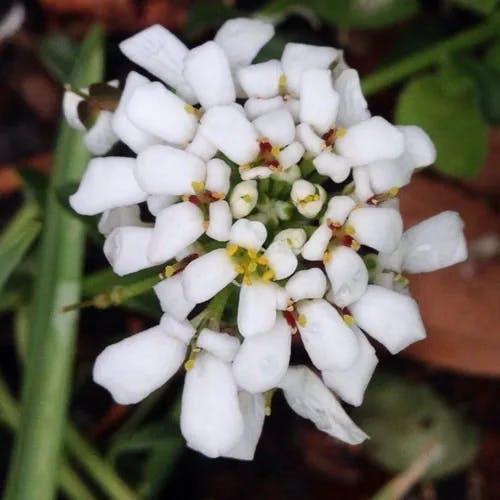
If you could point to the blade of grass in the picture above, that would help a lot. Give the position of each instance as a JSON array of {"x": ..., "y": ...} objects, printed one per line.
[
  {"x": 51, "y": 336},
  {"x": 17, "y": 238},
  {"x": 69, "y": 481}
]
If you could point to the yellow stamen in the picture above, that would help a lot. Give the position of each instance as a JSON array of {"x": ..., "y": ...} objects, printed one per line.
[
  {"x": 168, "y": 271},
  {"x": 355, "y": 245},
  {"x": 252, "y": 253},
  {"x": 247, "y": 280},
  {"x": 340, "y": 132},
  {"x": 348, "y": 229},
  {"x": 282, "y": 83},
  {"x": 262, "y": 260},
  {"x": 239, "y": 269},
  {"x": 348, "y": 319},
  {"x": 197, "y": 186},
  {"x": 217, "y": 196},
  {"x": 252, "y": 267},
  {"x": 190, "y": 109},
  {"x": 231, "y": 249},
  {"x": 247, "y": 198},
  {"x": 268, "y": 275},
  {"x": 393, "y": 191},
  {"x": 326, "y": 257},
  {"x": 301, "y": 320},
  {"x": 275, "y": 150},
  {"x": 189, "y": 364}
]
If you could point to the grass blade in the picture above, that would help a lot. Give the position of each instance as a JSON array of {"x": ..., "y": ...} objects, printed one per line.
[{"x": 51, "y": 339}]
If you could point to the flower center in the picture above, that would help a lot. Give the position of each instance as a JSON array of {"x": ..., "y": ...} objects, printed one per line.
[
  {"x": 388, "y": 195},
  {"x": 342, "y": 235},
  {"x": 251, "y": 264},
  {"x": 332, "y": 135},
  {"x": 202, "y": 198}
]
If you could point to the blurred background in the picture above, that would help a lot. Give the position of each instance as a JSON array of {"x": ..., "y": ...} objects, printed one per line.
[{"x": 426, "y": 62}]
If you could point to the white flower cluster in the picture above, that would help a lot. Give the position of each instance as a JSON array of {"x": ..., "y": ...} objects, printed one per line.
[{"x": 271, "y": 181}]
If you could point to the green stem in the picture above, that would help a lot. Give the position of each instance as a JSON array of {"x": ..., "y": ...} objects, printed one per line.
[
  {"x": 69, "y": 481},
  {"x": 51, "y": 336},
  {"x": 431, "y": 56},
  {"x": 102, "y": 473}
]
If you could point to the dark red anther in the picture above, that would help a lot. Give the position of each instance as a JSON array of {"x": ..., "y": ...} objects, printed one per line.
[
  {"x": 347, "y": 240},
  {"x": 265, "y": 147},
  {"x": 328, "y": 136},
  {"x": 274, "y": 163},
  {"x": 290, "y": 318},
  {"x": 194, "y": 199}
]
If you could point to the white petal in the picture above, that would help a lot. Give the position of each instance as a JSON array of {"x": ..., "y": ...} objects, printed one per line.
[
  {"x": 310, "y": 140},
  {"x": 135, "y": 138},
  {"x": 317, "y": 244},
  {"x": 207, "y": 72},
  {"x": 434, "y": 243},
  {"x": 350, "y": 384},
  {"x": 261, "y": 172},
  {"x": 157, "y": 202},
  {"x": 261, "y": 80},
  {"x": 201, "y": 146},
  {"x": 362, "y": 186},
  {"x": 293, "y": 105},
  {"x": 252, "y": 408},
  {"x": 243, "y": 199},
  {"x": 298, "y": 57},
  {"x": 327, "y": 339},
  {"x": 181, "y": 330},
  {"x": 70, "y": 110},
  {"x": 281, "y": 297},
  {"x": 339, "y": 208},
  {"x": 256, "y": 308},
  {"x": 263, "y": 359},
  {"x": 353, "y": 107},
  {"x": 418, "y": 146},
  {"x": 370, "y": 140},
  {"x": 100, "y": 138},
  {"x": 293, "y": 237},
  {"x": 158, "y": 51},
  {"x": 220, "y": 220},
  {"x": 319, "y": 102},
  {"x": 347, "y": 274},
  {"x": 176, "y": 227},
  {"x": 133, "y": 368},
  {"x": 207, "y": 275},
  {"x": 386, "y": 174},
  {"x": 291, "y": 155},
  {"x": 389, "y": 317},
  {"x": 211, "y": 420},
  {"x": 107, "y": 183},
  {"x": 276, "y": 126},
  {"x": 248, "y": 234},
  {"x": 161, "y": 113},
  {"x": 231, "y": 132},
  {"x": 221, "y": 345},
  {"x": 255, "y": 106},
  {"x": 310, "y": 398},
  {"x": 166, "y": 170},
  {"x": 218, "y": 176},
  {"x": 281, "y": 259},
  {"x": 120, "y": 216},
  {"x": 126, "y": 249},
  {"x": 170, "y": 293},
  {"x": 307, "y": 284},
  {"x": 242, "y": 38},
  {"x": 334, "y": 166},
  {"x": 377, "y": 227}
]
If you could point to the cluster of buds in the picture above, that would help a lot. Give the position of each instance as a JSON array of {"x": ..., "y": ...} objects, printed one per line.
[{"x": 272, "y": 187}]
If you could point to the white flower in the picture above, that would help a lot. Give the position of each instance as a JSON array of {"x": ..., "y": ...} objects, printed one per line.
[
  {"x": 244, "y": 257},
  {"x": 289, "y": 150}
]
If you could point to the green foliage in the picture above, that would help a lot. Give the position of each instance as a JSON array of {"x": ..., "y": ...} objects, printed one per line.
[
  {"x": 206, "y": 15},
  {"x": 57, "y": 53},
  {"x": 16, "y": 239},
  {"x": 450, "y": 114},
  {"x": 401, "y": 418},
  {"x": 350, "y": 13},
  {"x": 480, "y": 6},
  {"x": 51, "y": 334}
]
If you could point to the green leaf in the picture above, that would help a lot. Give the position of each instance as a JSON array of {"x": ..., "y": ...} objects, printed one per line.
[
  {"x": 452, "y": 118},
  {"x": 351, "y": 13},
  {"x": 51, "y": 336},
  {"x": 492, "y": 56},
  {"x": 486, "y": 79},
  {"x": 481, "y": 6},
  {"x": 57, "y": 53},
  {"x": 206, "y": 15},
  {"x": 16, "y": 240},
  {"x": 35, "y": 184},
  {"x": 401, "y": 418}
]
